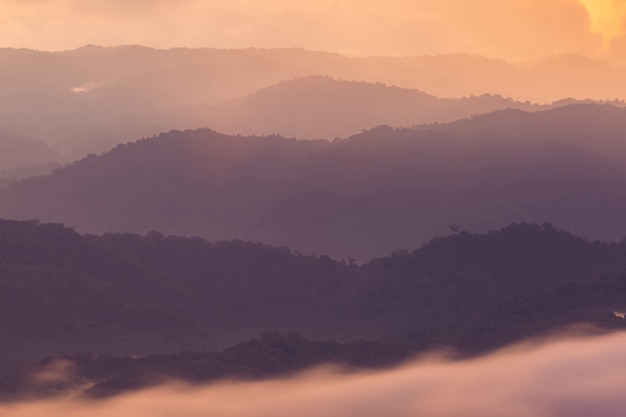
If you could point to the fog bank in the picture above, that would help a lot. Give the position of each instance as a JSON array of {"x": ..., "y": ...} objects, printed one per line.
[{"x": 561, "y": 378}]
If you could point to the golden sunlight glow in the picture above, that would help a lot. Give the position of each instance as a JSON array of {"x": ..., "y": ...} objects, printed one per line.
[
  {"x": 512, "y": 29},
  {"x": 607, "y": 17}
]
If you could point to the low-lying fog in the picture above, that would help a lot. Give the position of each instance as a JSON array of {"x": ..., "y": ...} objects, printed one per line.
[{"x": 569, "y": 378}]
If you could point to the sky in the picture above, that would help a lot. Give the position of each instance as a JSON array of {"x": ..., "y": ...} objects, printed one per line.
[{"x": 511, "y": 30}]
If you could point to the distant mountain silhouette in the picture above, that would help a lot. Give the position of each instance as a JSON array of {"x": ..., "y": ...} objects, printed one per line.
[
  {"x": 379, "y": 191},
  {"x": 18, "y": 151},
  {"x": 26, "y": 171},
  {"x": 599, "y": 128},
  {"x": 92, "y": 98},
  {"x": 322, "y": 107}
]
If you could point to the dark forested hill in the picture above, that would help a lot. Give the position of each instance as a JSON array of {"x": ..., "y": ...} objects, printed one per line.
[
  {"x": 382, "y": 190},
  {"x": 124, "y": 294},
  {"x": 62, "y": 292}
]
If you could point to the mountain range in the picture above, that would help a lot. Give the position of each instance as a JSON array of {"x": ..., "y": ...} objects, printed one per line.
[
  {"x": 86, "y": 298},
  {"x": 323, "y": 107},
  {"x": 63, "y": 292},
  {"x": 92, "y": 98},
  {"x": 299, "y": 208},
  {"x": 379, "y": 191}
]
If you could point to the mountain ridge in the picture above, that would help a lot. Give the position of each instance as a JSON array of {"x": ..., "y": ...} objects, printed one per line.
[
  {"x": 378, "y": 191},
  {"x": 92, "y": 98},
  {"x": 121, "y": 305}
]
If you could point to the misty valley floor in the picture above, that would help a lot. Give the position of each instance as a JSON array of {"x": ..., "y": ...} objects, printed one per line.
[{"x": 556, "y": 378}]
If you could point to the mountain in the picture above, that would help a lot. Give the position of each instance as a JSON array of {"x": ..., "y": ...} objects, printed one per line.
[
  {"x": 92, "y": 98},
  {"x": 65, "y": 294},
  {"x": 18, "y": 151},
  {"x": 376, "y": 192},
  {"x": 22, "y": 157},
  {"x": 322, "y": 107},
  {"x": 11, "y": 175},
  {"x": 598, "y": 128},
  {"x": 541, "y": 80}
]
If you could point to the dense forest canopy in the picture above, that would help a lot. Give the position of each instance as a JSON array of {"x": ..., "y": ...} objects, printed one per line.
[
  {"x": 63, "y": 293},
  {"x": 123, "y": 293}
]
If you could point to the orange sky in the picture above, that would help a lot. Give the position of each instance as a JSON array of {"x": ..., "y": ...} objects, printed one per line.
[{"x": 511, "y": 29}]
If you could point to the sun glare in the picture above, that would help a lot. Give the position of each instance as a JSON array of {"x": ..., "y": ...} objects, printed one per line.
[{"x": 607, "y": 17}]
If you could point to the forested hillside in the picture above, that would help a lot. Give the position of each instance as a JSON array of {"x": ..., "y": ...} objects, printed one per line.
[
  {"x": 379, "y": 191},
  {"x": 63, "y": 292},
  {"x": 95, "y": 300}
]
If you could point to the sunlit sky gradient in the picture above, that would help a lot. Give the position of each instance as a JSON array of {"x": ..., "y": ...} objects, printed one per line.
[
  {"x": 607, "y": 18},
  {"x": 511, "y": 29}
]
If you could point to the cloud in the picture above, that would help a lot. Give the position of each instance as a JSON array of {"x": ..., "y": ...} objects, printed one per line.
[
  {"x": 575, "y": 378},
  {"x": 607, "y": 18},
  {"x": 514, "y": 29}
]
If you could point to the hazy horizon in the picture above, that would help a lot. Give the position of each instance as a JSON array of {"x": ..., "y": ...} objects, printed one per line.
[
  {"x": 599, "y": 58},
  {"x": 514, "y": 31}
]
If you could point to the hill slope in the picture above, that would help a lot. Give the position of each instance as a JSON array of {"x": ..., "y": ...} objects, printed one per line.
[
  {"x": 17, "y": 151},
  {"x": 62, "y": 292},
  {"x": 322, "y": 107},
  {"x": 377, "y": 192},
  {"x": 92, "y": 98}
]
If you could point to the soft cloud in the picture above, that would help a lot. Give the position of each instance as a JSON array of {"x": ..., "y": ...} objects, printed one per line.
[
  {"x": 563, "y": 379},
  {"x": 607, "y": 17},
  {"x": 514, "y": 29}
]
